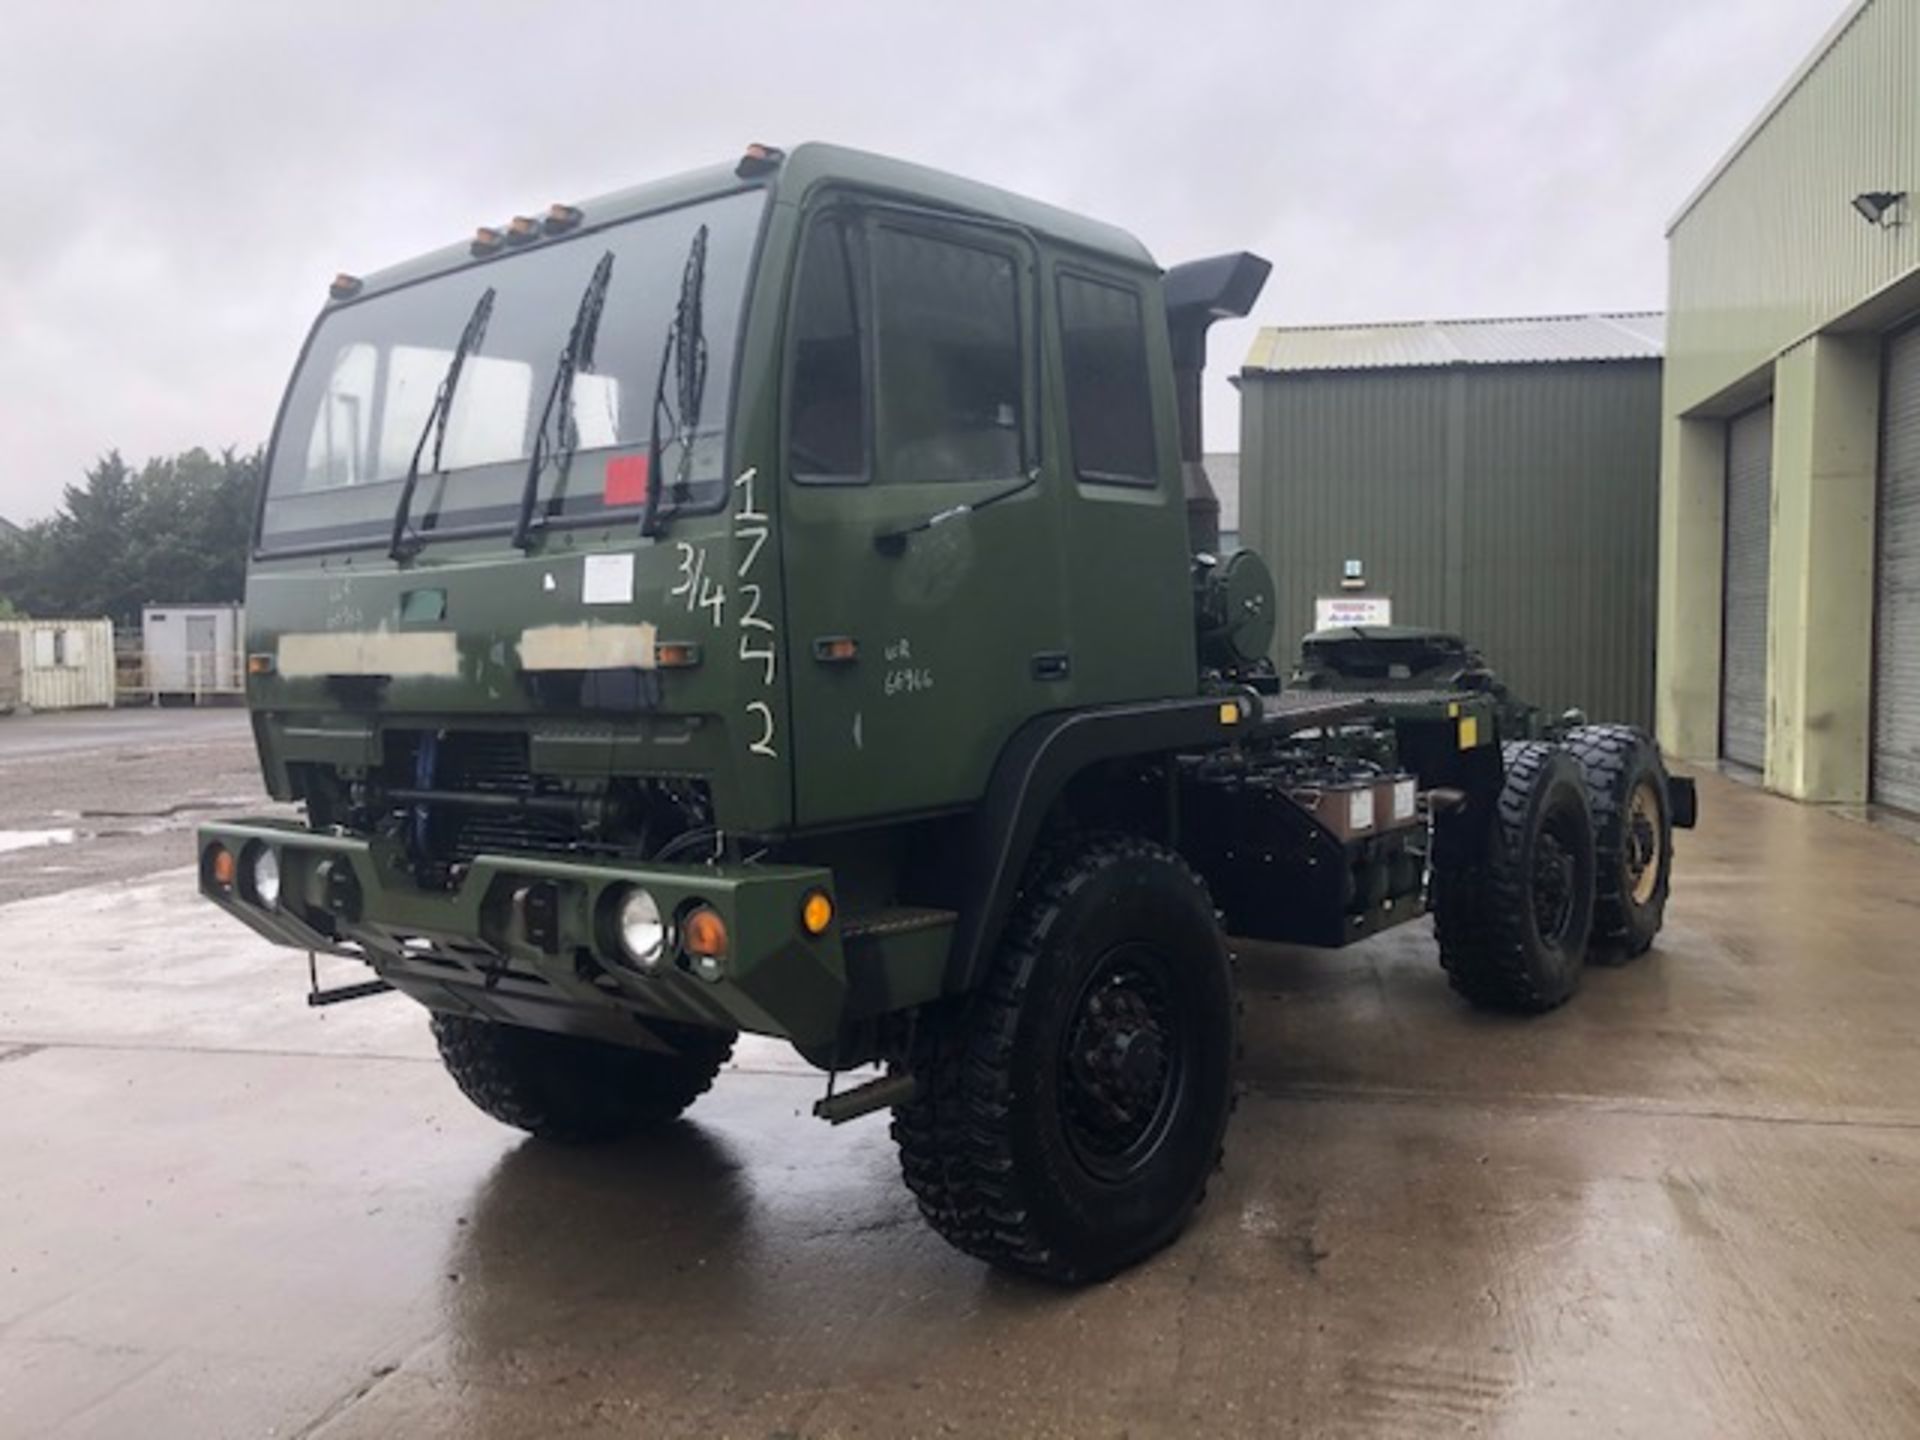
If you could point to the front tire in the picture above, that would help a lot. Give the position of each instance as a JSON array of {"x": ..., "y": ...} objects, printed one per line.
[
  {"x": 572, "y": 1090},
  {"x": 1070, "y": 1113},
  {"x": 1513, "y": 921}
]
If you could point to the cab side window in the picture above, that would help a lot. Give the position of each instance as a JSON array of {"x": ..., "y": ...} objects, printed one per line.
[
  {"x": 1109, "y": 396},
  {"x": 827, "y": 412},
  {"x": 950, "y": 390}
]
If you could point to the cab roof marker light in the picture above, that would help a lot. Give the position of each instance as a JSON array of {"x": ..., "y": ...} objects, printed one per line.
[
  {"x": 759, "y": 160},
  {"x": 345, "y": 286},
  {"x": 486, "y": 240},
  {"x": 561, "y": 218},
  {"x": 521, "y": 229}
]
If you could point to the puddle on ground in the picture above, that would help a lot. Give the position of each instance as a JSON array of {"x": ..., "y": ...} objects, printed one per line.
[{"x": 31, "y": 839}]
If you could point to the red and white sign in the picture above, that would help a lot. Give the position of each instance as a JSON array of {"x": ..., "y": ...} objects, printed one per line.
[{"x": 1333, "y": 612}]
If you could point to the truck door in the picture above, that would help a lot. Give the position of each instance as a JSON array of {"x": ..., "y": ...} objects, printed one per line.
[{"x": 923, "y": 607}]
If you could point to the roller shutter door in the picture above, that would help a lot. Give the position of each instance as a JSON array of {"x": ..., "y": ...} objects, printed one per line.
[
  {"x": 1896, "y": 679},
  {"x": 1743, "y": 667}
]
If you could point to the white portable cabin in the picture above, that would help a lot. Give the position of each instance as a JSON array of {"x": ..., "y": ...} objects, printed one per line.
[
  {"x": 62, "y": 664},
  {"x": 192, "y": 649}
]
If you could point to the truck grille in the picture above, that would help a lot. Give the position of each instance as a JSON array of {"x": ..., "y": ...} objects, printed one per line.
[
  {"x": 486, "y": 762},
  {"x": 491, "y": 761}
]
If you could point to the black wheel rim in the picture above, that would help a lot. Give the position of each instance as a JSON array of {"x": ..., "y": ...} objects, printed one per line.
[
  {"x": 1555, "y": 879},
  {"x": 1124, "y": 1063}
]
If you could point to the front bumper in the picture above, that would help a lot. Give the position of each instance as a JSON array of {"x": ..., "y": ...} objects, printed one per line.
[{"x": 533, "y": 941}]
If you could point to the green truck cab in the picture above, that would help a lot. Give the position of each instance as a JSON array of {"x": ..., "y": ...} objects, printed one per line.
[{"x": 782, "y": 599}]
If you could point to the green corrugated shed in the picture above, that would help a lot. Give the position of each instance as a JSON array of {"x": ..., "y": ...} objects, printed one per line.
[{"x": 1496, "y": 478}]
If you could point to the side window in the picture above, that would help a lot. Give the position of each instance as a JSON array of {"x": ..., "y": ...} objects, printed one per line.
[
  {"x": 949, "y": 359},
  {"x": 1109, "y": 397},
  {"x": 827, "y": 404}
]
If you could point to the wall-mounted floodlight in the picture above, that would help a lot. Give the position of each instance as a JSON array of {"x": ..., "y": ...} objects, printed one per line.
[{"x": 1882, "y": 207}]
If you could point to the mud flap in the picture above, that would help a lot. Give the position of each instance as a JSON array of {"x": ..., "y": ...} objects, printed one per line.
[{"x": 1685, "y": 804}]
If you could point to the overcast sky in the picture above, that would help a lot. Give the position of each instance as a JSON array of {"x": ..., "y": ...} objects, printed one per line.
[{"x": 182, "y": 179}]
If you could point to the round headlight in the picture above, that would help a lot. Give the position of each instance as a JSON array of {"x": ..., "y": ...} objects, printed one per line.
[
  {"x": 263, "y": 876},
  {"x": 643, "y": 933}
]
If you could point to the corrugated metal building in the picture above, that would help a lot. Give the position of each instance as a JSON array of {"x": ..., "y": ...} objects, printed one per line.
[
  {"x": 61, "y": 664},
  {"x": 1790, "y": 485},
  {"x": 1497, "y": 478}
]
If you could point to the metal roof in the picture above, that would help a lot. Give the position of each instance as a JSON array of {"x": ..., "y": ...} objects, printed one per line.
[{"x": 1422, "y": 344}]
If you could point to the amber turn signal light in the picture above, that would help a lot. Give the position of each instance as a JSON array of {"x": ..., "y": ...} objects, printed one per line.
[
  {"x": 816, "y": 912},
  {"x": 259, "y": 663},
  {"x": 221, "y": 866},
  {"x": 677, "y": 654},
  {"x": 704, "y": 933}
]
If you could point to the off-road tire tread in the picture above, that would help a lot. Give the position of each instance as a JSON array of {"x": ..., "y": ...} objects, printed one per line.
[
  {"x": 952, "y": 1140},
  {"x": 1480, "y": 911},
  {"x": 1605, "y": 753},
  {"x": 505, "y": 1070}
]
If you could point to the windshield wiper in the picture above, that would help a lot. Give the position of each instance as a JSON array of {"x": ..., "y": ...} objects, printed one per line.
[
  {"x": 575, "y": 356},
  {"x": 403, "y": 544},
  {"x": 686, "y": 353},
  {"x": 892, "y": 542}
]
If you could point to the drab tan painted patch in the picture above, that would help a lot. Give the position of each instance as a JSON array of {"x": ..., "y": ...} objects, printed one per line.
[
  {"x": 423, "y": 654},
  {"x": 587, "y": 647}
]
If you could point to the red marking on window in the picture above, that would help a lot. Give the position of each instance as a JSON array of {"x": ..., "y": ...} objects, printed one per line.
[{"x": 626, "y": 482}]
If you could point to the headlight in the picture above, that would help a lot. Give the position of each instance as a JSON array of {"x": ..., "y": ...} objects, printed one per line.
[
  {"x": 263, "y": 876},
  {"x": 643, "y": 933}
]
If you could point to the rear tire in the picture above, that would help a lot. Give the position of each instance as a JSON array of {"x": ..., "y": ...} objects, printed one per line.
[
  {"x": 1513, "y": 922},
  {"x": 1633, "y": 838},
  {"x": 572, "y": 1090},
  {"x": 1071, "y": 1111}
]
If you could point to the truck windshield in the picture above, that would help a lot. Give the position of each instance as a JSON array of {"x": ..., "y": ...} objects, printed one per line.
[{"x": 366, "y": 387}]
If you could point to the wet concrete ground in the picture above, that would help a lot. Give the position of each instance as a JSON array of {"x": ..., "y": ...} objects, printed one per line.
[{"x": 1688, "y": 1204}]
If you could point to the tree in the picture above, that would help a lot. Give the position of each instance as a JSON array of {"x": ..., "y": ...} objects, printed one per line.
[{"x": 174, "y": 532}]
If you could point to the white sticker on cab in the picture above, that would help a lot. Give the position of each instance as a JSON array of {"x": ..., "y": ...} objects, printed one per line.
[{"x": 607, "y": 580}]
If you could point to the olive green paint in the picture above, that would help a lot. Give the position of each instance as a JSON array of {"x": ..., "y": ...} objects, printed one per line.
[{"x": 947, "y": 625}]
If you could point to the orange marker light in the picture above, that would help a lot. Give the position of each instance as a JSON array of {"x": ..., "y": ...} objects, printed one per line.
[
  {"x": 521, "y": 229},
  {"x": 562, "y": 217},
  {"x": 221, "y": 866},
  {"x": 758, "y": 160},
  {"x": 486, "y": 240},
  {"x": 677, "y": 654},
  {"x": 704, "y": 933},
  {"x": 344, "y": 286},
  {"x": 259, "y": 663},
  {"x": 816, "y": 912}
]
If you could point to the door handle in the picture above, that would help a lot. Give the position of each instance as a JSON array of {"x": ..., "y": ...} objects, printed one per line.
[{"x": 1052, "y": 665}]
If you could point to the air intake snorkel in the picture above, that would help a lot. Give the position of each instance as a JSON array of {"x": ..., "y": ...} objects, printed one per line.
[{"x": 1221, "y": 287}]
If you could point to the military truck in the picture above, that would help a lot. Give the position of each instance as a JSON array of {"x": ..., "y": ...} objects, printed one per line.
[{"x": 786, "y": 599}]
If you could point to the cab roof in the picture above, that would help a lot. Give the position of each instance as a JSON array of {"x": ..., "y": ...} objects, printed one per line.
[{"x": 805, "y": 168}]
